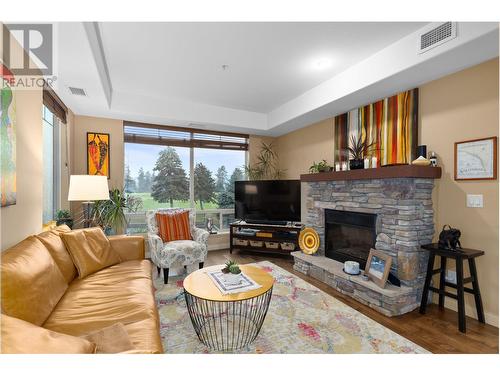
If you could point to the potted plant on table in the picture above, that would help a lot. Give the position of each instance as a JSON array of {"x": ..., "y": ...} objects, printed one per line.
[
  {"x": 358, "y": 149},
  {"x": 231, "y": 272}
]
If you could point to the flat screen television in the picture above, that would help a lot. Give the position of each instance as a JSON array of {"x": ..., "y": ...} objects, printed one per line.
[{"x": 267, "y": 201}]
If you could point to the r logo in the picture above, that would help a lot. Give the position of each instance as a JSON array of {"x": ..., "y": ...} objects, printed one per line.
[{"x": 36, "y": 40}]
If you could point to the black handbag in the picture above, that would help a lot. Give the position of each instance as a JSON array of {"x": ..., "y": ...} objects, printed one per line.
[{"x": 449, "y": 238}]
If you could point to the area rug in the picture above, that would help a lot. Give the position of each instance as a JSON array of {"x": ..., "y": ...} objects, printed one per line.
[{"x": 301, "y": 319}]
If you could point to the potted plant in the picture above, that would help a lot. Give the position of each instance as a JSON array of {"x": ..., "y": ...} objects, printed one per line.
[
  {"x": 110, "y": 214},
  {"x": 231, "y": 272},
  {"x": 64, "y": 217},
  {"x": 266, "y": 166},
  {"x": 322, "y": 166},
  {"x": 358, "y": 149}
]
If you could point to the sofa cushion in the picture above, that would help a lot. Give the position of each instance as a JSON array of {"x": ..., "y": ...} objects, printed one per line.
[
  {"x": 32, "y": 284},
  {"x": 90, "y": 250},
  {"x": 173, "y": 226},
  {"x": 120, "y": 293},
  {"x": 54, "y": 243},
  {"x": 20, "y": 337}
]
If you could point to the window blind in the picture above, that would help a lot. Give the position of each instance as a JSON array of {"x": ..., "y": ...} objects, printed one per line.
[
  {"x": 54, "y": 103},
  {"x": 184, "y": 137}
]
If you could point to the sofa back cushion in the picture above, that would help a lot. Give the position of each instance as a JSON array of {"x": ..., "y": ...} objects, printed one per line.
[
  {"x": 32, "y": 284},
  {"x": 173, "y": 226},
  {"x": 20, "y": 337},
  {"x": 54, "y": 243},
  {"x": 90, "y": 250}
]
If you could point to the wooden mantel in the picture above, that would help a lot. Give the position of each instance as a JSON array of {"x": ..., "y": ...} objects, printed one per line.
[{"x": 397, "y": 171}]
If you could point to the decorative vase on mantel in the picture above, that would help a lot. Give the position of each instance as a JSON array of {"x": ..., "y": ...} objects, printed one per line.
[{"x": 356, "y": 164}]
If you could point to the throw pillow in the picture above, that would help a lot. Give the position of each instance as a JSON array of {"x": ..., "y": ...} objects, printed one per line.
[
  {"x": 112, "y": 339},
  {"x": 90, "y": 250},
  {"x": 21, "y": 337},
  {"x": 173, "y": 226}
]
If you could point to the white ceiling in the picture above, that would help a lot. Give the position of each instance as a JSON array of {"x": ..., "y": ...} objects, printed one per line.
[
  {"x": 269, "y": 63},
  {"x": 171, "y": 73}
]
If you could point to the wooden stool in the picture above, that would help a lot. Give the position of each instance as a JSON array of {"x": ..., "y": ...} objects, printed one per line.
[{"x": 459, "y": 255}]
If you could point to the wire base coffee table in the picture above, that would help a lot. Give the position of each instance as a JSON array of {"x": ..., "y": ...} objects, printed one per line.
[{"x": 232, "y": 321}]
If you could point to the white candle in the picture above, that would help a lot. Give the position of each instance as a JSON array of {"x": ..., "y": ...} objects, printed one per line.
[
  {"x": 344, "y": 166},
  {"x": 367, "y": 163},
  {"x": 374, "y": 162},
  {"x": 337, "y": 166}
]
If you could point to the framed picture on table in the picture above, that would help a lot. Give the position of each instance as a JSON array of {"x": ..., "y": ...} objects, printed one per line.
[
  {"x": 476, "y": 159},
  {"x": 98, "y": 154}
]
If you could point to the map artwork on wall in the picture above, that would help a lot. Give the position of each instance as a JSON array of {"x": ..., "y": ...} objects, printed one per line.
[
  {"x": 8, "y": 139},
  {"x": 391, "y": 124}
]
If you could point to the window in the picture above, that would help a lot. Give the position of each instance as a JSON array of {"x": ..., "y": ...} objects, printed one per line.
[
  {"x": 51, "y": 178},
  {"x": 179, "y": 167}
]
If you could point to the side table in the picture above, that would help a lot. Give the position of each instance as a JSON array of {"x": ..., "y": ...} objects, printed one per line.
[{"x": 459, "y": 255}]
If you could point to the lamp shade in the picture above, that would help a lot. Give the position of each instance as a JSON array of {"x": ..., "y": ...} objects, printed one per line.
[{"x": 88, "y": 188}]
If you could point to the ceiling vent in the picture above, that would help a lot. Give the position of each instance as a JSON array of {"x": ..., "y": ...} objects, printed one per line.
[
  {"x": 436, "y": 36},
  {"x": 77, "y": 91}
]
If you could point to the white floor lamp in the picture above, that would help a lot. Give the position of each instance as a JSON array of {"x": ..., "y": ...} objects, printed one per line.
[{"x": 87, "y": 189}]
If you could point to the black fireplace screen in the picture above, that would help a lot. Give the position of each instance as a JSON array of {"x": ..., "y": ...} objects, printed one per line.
[{"x": 349, "y": 235}]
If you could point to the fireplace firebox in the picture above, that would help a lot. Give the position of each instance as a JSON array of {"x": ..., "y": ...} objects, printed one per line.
[{"x": 349, "y": 235}]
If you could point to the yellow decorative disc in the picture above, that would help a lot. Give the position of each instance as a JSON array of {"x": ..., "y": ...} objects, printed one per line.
[{"x": 309, "y": 241}]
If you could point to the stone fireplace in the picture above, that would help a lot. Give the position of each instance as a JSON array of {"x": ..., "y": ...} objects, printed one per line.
[{"x": 391, "y": 214}]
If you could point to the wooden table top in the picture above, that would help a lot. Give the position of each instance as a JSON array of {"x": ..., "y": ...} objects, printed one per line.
[
  {"x": 458, "y": 253},
  {"x": 200, "y": 285}
]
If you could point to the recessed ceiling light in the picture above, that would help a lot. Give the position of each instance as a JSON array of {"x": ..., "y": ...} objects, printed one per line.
[{"x": 323, "y": 63}]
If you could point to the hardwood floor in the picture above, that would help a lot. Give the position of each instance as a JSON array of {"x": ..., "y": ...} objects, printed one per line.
[{"x": 435, "y": 331}]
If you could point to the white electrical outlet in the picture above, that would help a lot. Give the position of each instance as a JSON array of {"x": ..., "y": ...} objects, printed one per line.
[
  {"x": 475, "y": 200},
  {"x": 451, "y": 276}
]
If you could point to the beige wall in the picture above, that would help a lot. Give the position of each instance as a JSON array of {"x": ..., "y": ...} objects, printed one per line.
[
  {"x": 84, "y": 124},
  {"x": 298, "y": 150},
  {"x": 458, "y": 107},
  {"x": 455, "y": 108}
]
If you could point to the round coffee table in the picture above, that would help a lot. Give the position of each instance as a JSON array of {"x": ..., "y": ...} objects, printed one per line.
[{"x": 227, "y": 322}]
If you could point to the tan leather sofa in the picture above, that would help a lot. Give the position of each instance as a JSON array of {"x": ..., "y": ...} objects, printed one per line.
[{"x": 40, "y": 286}]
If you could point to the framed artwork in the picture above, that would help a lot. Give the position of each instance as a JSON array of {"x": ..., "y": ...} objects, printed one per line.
[
  {"x": 391, "y": 124},
  {"x": 378, "y": 266},
  {"x": 476, "y": 159},
  {"x": 98, "y": 154},
  {"x": 8, "y": 187}
]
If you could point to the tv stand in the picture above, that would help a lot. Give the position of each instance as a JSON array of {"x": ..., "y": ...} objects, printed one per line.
[{"x": 264, "y": 238}]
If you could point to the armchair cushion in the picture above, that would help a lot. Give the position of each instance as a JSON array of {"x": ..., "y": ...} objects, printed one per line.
[
  {"x": 182, "y": 252},
  {"x": 173, "y": 225},
  {"x": 90, "y": 250}
]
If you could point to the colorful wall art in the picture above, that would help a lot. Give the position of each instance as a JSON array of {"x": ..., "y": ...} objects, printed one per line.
[
  {"x": 390, "y": 123},
  {"x": 98, "y": 154},
  {"x": 8, "y": 140}
]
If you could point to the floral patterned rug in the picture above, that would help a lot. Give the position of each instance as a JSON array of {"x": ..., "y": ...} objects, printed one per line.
[{"x": 301, "y": 319}]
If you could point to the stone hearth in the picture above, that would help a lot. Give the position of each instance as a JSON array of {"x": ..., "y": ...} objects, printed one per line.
[{"x": 405, "y": 220}]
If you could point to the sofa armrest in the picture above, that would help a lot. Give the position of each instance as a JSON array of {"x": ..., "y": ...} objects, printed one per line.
[{"x": 128, "y": 247}]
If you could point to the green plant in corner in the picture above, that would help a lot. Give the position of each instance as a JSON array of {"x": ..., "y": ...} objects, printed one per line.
[
  {"x": 110, "y": 214},
  {"x": 267, "y": 165}
]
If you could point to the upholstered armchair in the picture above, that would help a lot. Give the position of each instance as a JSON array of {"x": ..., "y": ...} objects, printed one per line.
[{"x": 176, "y": 253}]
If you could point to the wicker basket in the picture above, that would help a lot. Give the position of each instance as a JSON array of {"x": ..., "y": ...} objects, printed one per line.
[
  {"x": 256, "y": 243},
  {"x": 239, "y": 242},
  {"x": 288, "y": 246},
  {"x": 272, "y": 245}
]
